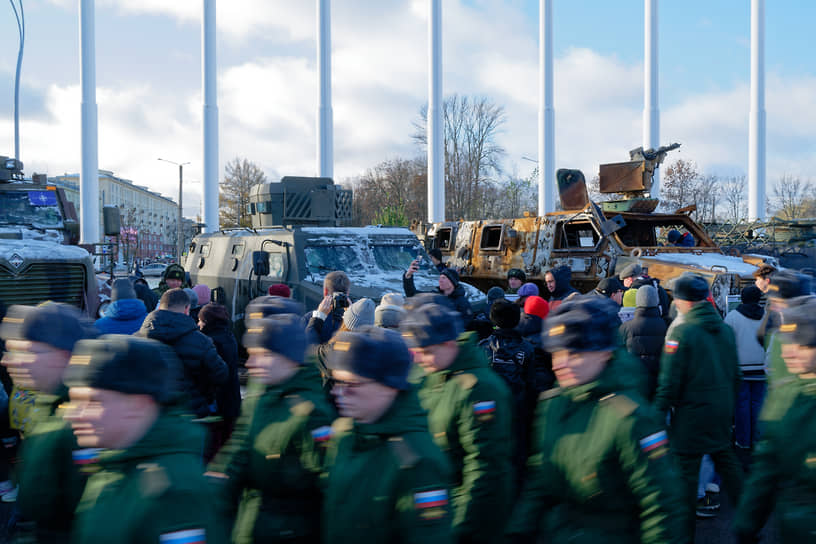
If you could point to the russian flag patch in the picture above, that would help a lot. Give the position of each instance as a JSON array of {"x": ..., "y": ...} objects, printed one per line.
[
  {"x": 671, "y": 346},
  {"x": 431, "y": 499},
  {"x": 85, "y": 456},
  {"x": 322, "y": 434},
  {"x": 484, "y": 407},
  {"x": 654, "y": 441},
  {"x": 190, "y": 536}
]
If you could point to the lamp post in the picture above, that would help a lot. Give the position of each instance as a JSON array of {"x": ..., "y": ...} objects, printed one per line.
[{"x": 180, "y": 233}]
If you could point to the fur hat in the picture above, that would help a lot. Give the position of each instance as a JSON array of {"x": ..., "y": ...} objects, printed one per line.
[
  {"x": 54, "y": 323},
  {"x": 283, "y": 334},
  {"x": 374, "y": 353},
  {"x": 582, "y": 324},
  {"x": 431, "y": 324},
  {"x": 517, "y": 273}
]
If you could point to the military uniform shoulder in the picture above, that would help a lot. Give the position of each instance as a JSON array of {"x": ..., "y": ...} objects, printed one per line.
[
  {"x": 342, "y": 425},
  {"x": 622, "y": 404},
  {"x": 466, "y": 380},
  {"x": 299, "y": 406},
  {"x": 405, "y": 454},
  {"x": 550, "y": 393}
]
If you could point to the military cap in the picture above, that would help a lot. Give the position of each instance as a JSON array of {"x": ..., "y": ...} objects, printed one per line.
[
  {"x": 268, "y": 305},
  {"x": 124, "y": 363},
  {"x": 691, "y": 287},
  {"x": 283, "y": 334},
  {"x": 431, "y": 324},
  {"x": 787, "y": 284},
  {"x": 174, "y": 273},
  {"x": 610, "y": 286},
  {"x": 374, "y": 353},
  {"x": 53, "y": 323},
  {"x": 798, "y": 325},
  {"x": 517, "y": 273},
  {"x": 582, "y": 324},
  {"x": 631, "y": 270}
]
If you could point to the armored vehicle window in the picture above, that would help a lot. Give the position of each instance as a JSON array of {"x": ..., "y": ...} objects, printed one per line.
[
  {"x": 393, "y": 256},
  {"x": 204, "y": 250},
  {"x": 443, "y": 238},
  {"x": 237, "y": 249},
  {"x": 491, "y": 237},
  {"x": 276, "y": 266},
  {"x": 322, "y": 259},
  {"x": 35, "y": 208},
  {"x": 576, "y": 235},
  {"x": 651, "y": 232}
]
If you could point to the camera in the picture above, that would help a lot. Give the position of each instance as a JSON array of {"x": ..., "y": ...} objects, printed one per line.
[{"x": 340, "y": 301}]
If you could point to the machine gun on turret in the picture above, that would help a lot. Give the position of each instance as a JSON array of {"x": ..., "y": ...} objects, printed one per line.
[{"x": 652, "y": 158}]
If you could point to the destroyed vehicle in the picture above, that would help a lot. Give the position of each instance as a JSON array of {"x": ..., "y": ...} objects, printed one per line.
[
  {"x": 595, "y": 241},
  {"x": 241, "y": 263},
  {"x": 39, "y": 258}
]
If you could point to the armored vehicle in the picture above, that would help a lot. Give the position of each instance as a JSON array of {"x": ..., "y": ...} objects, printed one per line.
[
  {"x": 297, "y": 238},
  {"x": 39, "y": 259},
  {"x": 595, "y": 241}
]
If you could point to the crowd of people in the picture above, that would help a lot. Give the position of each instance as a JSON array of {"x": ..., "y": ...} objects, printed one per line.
[{"x": 545, "y": 417}]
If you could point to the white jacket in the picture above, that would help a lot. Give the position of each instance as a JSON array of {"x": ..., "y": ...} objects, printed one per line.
[{"x": 750, "y": 352}]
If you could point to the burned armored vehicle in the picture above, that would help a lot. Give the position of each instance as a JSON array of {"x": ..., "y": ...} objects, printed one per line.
[
  {"x": 595, "y": 240},
  {"x": 39, "y": 258},
  {"x": 297, "y": 237}
]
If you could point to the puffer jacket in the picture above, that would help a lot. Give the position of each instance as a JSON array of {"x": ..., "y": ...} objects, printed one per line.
[
  {"x": 203, "y": 370},
  {"x": 123, "y": 316},
  {"x": 457, "y": 299},
  {"x": 229, "y": 396},
  {"x": 643, "y": 336},
  {"x": 530, "y": 328}
]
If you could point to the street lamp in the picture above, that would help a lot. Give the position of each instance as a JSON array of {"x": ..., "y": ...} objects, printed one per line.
[{"x": 180, "y": 233}]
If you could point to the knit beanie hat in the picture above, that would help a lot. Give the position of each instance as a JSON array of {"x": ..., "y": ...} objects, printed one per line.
[
  {"x": 193, "y": 296},
  {"x": 691, "y": 287},
  {"x": 528, "y": 289},
  {"x": 279, "y": 290},
  {"x": 392, "y": 299},
  {"x": 505, "y": 314},
  {"x": 494, "y": 294},
  {"x": 359, "y": 314},
  {"x": 646, "y": 297},
  {"x": 535, "y": 305},
  {"x": 203, "y": 294},
  {"x": 388, "y": 316},
  {"x": 750, "y": 294},
  {"x": 122, "y": 289},
  {"x": 630, "y": 298},
  {"x": 452, "y": 275}
]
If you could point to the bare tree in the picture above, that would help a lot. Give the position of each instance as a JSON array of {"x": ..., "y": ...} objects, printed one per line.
[
  {"x": 734, "y": 198},
  {"x": 684, "y": 185},
  {"x": 794, "y": 198},
  {"x": 397, "y": 185},
  {"x": 472, "y": 155},
  {"x": 240, "y": 176}
]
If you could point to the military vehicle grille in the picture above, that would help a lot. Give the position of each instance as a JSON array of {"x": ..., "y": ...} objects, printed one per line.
[{"x": 43, "y": 281}]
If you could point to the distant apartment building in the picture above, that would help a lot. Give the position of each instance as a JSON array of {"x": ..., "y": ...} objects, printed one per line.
[{"x": 149, "y": 220}]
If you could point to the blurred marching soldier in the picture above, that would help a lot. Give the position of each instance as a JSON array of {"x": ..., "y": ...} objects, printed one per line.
[
  {"x": 387, "y": 480},
  {"x": 271, "y": 468},
  {"x": 599, "y": 470},
  {"x": 785, "y": 462},
  {"x": 39, "y": 341},
  {"x": 470, "y": 415},
  {"x": 698, "y": 384},
  {"x": 148, "y": 485}
]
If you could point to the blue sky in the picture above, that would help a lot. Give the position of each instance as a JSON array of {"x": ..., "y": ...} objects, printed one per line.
[{"x": 148, "y": 76}]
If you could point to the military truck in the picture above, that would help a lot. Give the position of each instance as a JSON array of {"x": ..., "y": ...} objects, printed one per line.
[
  {"x": 594, "y": 240},
  {"x": 39, "y": 259},
  {"x": 298, "y": 235}
]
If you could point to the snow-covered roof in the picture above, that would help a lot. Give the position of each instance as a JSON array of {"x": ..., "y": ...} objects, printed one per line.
[
  {"x": 39, "y": 250},
  {"x": 706, "y": 261}
]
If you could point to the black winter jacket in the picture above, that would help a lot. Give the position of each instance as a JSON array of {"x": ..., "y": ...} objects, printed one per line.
[
  {"x": 530, "y": 328},
  {"x": 562, "y": 275},
  {"x": 458, "y": 300},
  {"x": 228, "y": 397},
  {"x": 662, "y": 296},
  {"x": 203, "y": 369},
  {"x": 644, "y": 336}
]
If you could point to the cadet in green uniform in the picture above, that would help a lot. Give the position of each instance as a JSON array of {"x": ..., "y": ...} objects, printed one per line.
[
  {"x": 698, "y": 383},
  {"x": 273, "y": 463},
  {"x": 470, "y": 417},
  {"x": 149, "y": 486},
  {"x": 387, "y": 480},
  {"x": 49, "y": 475},
  {"x": 784, "y": 471},
  {"x": 599, "y": 470}
]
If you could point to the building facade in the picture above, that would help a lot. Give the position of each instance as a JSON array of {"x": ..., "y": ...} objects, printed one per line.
[{"x": 149, "y": 220}]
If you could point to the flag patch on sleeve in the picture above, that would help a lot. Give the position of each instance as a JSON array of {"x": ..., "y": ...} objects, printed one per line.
[
  {"x": 322, "y": 434},
  {"x": 85, "y": 456},
  {"x": 671, "y": 346},
  {"x": 654, "y": 441},
  {"x": 484, "y": 407},
  {"x": 189, "y": 536},
  {"x": 431, "y": 499}
]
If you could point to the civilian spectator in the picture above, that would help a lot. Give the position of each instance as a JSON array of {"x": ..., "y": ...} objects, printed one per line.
[
  {"x": 125, "y": 313},
  {"x": 390, "y": 311},
  {"x": 644, "y": 335},
  {"x": 529, "y": 289},
  {"x": 558, "y": 284},
  {"x": 678, "y": 239},
  {"x": 326, "y": 320},
  {"x": 448, "y": 286}
]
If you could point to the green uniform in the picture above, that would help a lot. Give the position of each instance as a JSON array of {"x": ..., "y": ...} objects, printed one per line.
[
  {"x": 154, "y": 492},
  {"x": 699, "y": 380},
  {"x": 599, "y": 470},
  {"x": 387, "y": 481},
  {"x": 50, "y": 474},
  {"x": 470, "y": 417},
  {"x": 784, "y": 470},
  {"x": 274, "y": 461}
]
